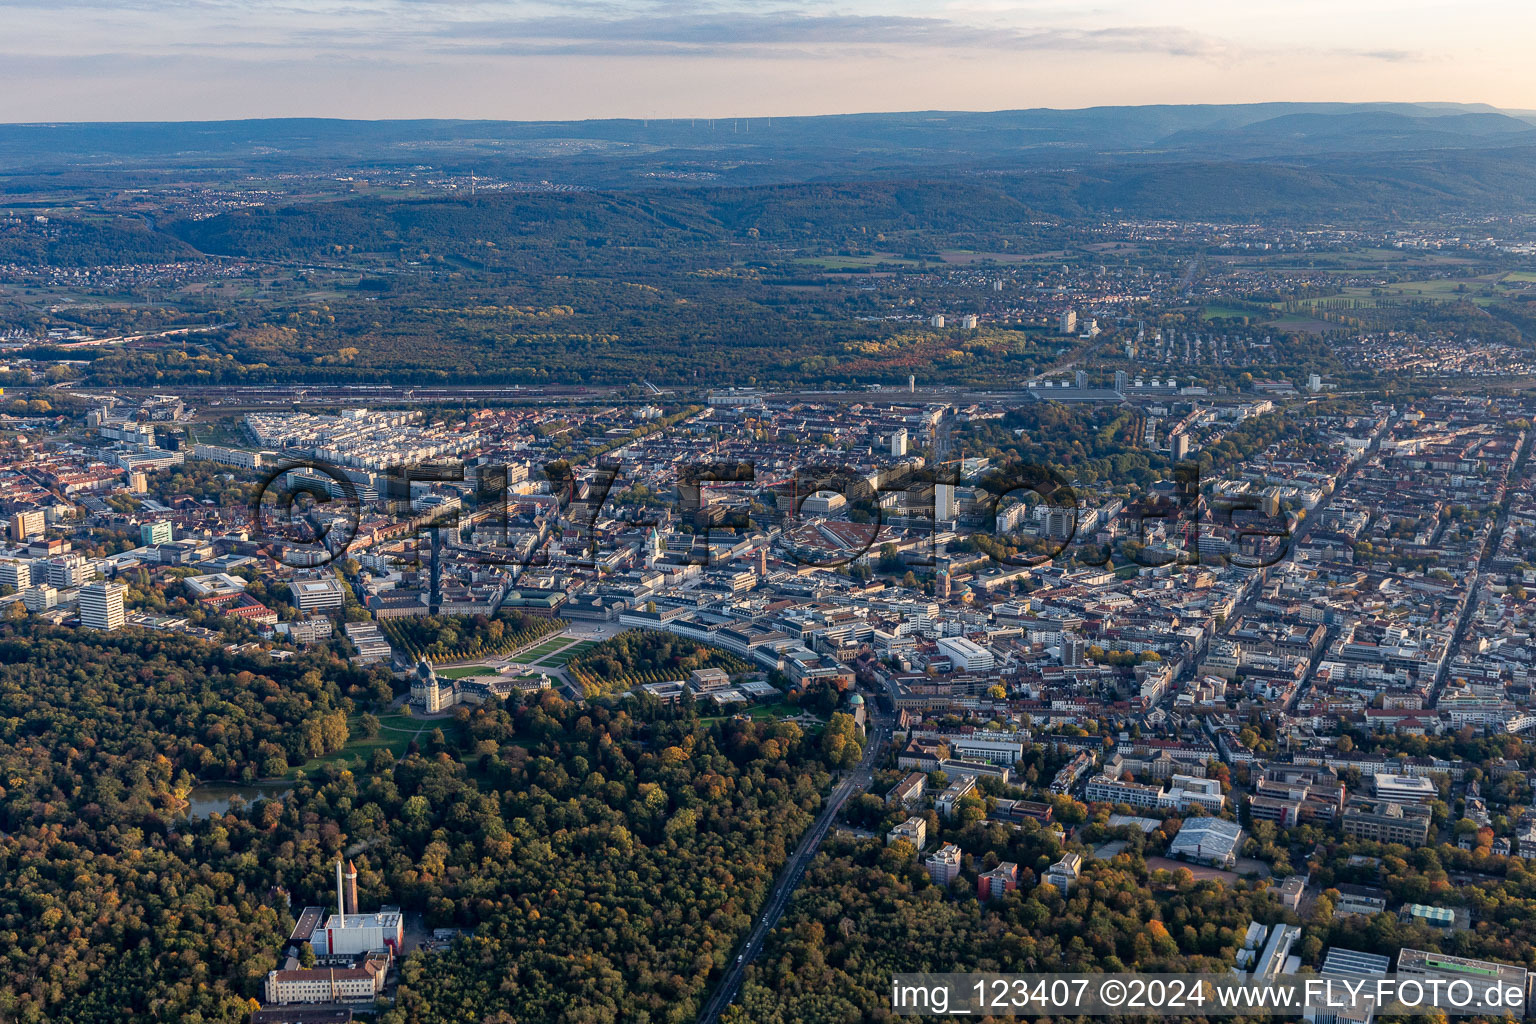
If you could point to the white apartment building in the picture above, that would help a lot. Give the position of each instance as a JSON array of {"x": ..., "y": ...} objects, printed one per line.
[
  {"x": 943, "y": 864},
  {"x": 15, "y": 574},
  {"x": 227, "y": 456}
]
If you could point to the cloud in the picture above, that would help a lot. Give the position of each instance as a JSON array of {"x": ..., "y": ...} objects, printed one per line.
[
  {"x": 584, "y": 27},
  {"x": 724, "y": 32}
]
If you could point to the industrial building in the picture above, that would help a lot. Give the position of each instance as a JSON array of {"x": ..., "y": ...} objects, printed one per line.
[
  {"x": 350, "y": 932},
  {"x": 1212, "y": 841}
]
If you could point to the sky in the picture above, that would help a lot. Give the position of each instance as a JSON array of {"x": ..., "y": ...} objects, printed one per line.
[{"x": 117, "y": 60}]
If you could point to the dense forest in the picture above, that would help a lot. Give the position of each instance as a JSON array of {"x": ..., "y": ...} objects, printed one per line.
[
  {"x": 607, "y": 859},
  {"x": 866, "y": 912}
]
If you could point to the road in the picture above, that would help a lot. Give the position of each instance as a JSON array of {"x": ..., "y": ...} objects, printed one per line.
[
  {"x": 1470, "y": 580},
  {"x": 794, "y": 870}
]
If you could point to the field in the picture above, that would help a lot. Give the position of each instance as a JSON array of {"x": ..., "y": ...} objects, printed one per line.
[
  {"x": 1221, "y": 312},
  {"x": 1471, "y": 289},
  {"x": 851, "y": 263},
  {"x": 1293, "y": 322}
]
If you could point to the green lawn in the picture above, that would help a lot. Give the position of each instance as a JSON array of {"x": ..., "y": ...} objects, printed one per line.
[
  {"x": 554, "y": 653},
  {"x": 566, "y": 654},
  {"x": 468, "y": 670},
  {"x": 762, "y": 712},
  {"x": 395, "y": 733},
  {"x": 535, "y": 654}
]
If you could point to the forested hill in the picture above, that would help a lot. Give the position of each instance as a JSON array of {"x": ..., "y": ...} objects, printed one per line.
[
  {"x": 765, "y": 149},
  {"x": 1358, "y": 189}
]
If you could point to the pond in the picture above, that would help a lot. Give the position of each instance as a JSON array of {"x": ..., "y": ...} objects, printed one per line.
[{"x": 216, "y": 797}]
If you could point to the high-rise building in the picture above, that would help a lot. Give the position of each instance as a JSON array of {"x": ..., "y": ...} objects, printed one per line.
[
  {"x": 101, "y": 606},
  {"x": 1120, "y": 381},
  {"x": 1069, "y": 321},
  {"x": 28, "y": 524},
  {"x": 1179, "y": 443},
  {"x": 15, "y": 574},
  {"x": 944, "y": 501},
  {"x": 68, "y": 570},
  {"x": 1072, "y": 650},
  {"x": 969, "y": 321},
  {"x": 160, "y": 532},
  {"x": 898, "y": 442},
  {"x": 937, "y": 320},
  {"x": 1314, "y": 383}
]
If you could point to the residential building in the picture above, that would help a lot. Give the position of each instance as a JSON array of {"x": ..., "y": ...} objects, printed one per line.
[
  {"x": 956, "y": 791},
  {"x": 1063, "y": 874},
  {"x": 15, "y": 574},
  {"x": 944, "y": 864},
  {"x": 914, "y": 830},
  {"x": 994, "y": 884},
  {"x": 908, "y": 793},
  {"x": 227, "y": 456},
  {"x": 28, "y": 524}
]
